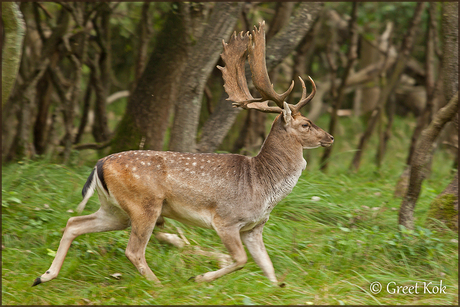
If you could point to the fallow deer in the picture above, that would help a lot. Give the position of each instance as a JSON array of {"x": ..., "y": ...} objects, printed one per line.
[{"x": 230, "y": 193}]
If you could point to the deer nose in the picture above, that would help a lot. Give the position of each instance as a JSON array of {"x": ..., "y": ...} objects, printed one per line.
[{"x": 332, "y": 138}]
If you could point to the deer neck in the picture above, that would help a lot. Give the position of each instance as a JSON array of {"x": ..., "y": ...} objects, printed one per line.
[{"x": 281, "y": 156}]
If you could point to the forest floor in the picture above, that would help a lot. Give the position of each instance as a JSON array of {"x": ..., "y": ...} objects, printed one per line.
[{"x": 332, "y": 241}]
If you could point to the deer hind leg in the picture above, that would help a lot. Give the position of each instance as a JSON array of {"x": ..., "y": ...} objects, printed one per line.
[
  {"x": 255, "y": 245},
  {"x": 99, "y": 221},
  {"x": 142, "y": 223},
  {"x": 232, "y": 241}
]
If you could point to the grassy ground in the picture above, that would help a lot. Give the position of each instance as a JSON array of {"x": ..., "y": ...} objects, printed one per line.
[{"x": 327, "y": 251}]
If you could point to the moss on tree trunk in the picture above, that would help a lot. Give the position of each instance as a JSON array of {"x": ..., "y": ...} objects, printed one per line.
[{"x": 445, "y": 207}]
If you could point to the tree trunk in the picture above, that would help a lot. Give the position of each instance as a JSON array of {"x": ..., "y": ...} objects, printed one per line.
[
  {"x": 14, "y": 28},
  {"x": 148, "y": 110},
  {"x": 145, "y": 33},
  {"x": 203, "y": 58},
  {"x": 422, "y": 155},
  {"x": 278, "y": 48},
  {"x": 44, "y": 90},
  {"x": 450, "y": 57},
  {"x": 450, "y": 48}
]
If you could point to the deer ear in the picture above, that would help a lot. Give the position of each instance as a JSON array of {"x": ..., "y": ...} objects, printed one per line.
[{"x": 287, "y": 114}]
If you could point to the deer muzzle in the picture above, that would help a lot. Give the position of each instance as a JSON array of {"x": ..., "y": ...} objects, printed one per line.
[{"x": 327, "y": 140}]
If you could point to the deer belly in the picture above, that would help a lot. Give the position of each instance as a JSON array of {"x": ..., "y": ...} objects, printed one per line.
[{"x": 187, "y": 213}]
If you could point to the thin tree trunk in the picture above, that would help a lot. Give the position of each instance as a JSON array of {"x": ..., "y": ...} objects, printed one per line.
[
  {"x": 407, "y": 45},
  {"x": 422, "y": 155},
  {"x": 425, "y": 117},
  {"x": 44, "y": 90},
  {"x": 302, "y": 58},
  {"x": 85, "y": 112},
  {"x": 385, "y": 134},
  {"x": 100, "y": 129},
  {"x": 339, "y": 97},
  {"x": 41, "y": 122},
  {"x": 101, "y": 74},
  {"x": 450, "y": 48}
]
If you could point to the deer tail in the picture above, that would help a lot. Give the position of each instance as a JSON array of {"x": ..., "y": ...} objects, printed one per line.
[{"x": 88, "y": 190}]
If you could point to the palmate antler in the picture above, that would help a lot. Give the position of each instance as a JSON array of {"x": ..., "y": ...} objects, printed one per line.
[{"x": 235, "y": 83}]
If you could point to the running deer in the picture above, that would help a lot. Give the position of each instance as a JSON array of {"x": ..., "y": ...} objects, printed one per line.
[{"x": 230, "y": 193}]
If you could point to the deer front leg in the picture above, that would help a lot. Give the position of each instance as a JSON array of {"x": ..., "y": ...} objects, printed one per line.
[
  {"x": 255, "y": 245},
  {"x": 232, "y": 241}
]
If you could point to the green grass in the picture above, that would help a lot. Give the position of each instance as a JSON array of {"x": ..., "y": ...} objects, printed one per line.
[{"x": 327, "y": 251}]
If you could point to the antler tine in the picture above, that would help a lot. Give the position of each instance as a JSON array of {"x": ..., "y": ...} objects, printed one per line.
[
  {"x": 258, "y": 66},
  {"x": 304, "y": 99}
]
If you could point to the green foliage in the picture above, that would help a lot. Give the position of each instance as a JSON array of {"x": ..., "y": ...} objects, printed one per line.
[{"x": 333, "y": 236}]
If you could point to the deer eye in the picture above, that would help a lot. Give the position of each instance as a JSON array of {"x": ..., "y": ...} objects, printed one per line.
[{"x": 305, "y": 126}]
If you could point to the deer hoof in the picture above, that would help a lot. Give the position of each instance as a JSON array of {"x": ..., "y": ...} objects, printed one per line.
[
  {"x": 200, "y": 278},
  {"x": 282, "y": 285},
  {"x": 37, "y": 281}
]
